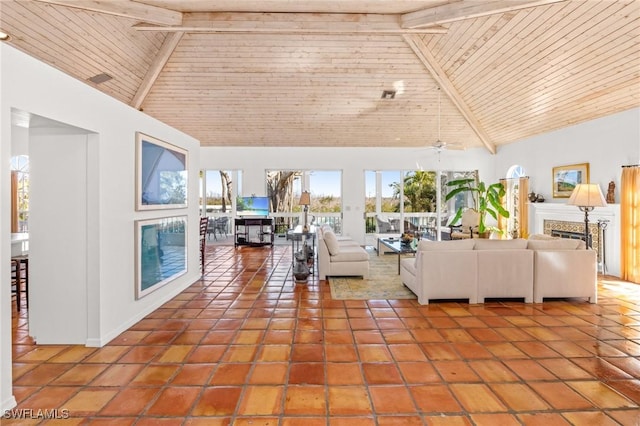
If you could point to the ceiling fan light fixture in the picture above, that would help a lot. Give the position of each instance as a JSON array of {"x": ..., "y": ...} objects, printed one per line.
[{"x": 388, "y": 94}]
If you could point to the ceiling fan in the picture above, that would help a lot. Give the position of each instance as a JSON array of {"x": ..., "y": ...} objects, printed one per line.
[{"x": 439, "y": 145}]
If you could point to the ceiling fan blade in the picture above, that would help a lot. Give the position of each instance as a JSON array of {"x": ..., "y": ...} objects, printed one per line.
[{"x": 441, "y": 145}]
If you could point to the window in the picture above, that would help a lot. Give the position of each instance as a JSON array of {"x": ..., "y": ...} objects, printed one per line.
[
  {"x": 408, "y": 198},
  {"x": 285, "y": 186},
  {"x": 517, "y": 186},
  {"x": 462, "y": 200},
  {"x": 382, "y": 189},
  {"x": 326, "y": 198},
  {"x": 419, "y": 200},
  {"x": 515, "y": 171},
  {"x": 220, "y": 187}
]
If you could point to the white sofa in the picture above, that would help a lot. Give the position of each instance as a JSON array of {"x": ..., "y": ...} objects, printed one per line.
[
  {"x": 477, "y": 269},
  {"x": 563, "y": 268},
  {"x": 340, "y": 256}
]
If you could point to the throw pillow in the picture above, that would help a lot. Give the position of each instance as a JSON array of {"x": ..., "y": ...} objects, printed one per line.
[{"x": 331, "y": 241}]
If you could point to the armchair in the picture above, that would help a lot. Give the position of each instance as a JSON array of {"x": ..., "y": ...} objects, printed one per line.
[
  {"x": 387, "y": 225},
  {"x": 468, "y": 225},
  {"x": 220, "y": 226}
]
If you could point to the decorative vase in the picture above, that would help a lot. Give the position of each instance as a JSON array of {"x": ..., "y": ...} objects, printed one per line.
[
  {"x": 308, "y": 250},
  {"x": 301, "y": 269},
  {"x": 533, "y": 197}
]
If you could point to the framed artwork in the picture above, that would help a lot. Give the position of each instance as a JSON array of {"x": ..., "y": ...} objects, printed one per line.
[
  {"x": 161, "y": 252},
  {"x": 565, "y": 178},
  {"x": 161, "y": 174}
]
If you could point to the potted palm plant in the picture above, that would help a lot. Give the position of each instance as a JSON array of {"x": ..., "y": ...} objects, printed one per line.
[{"x": 486, "y": 200}]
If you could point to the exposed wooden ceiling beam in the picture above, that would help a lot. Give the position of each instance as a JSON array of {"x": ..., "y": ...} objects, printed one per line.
[
  {"x": 421, "y": 51},
  {"x": 465, "y": 9},
  {"x": 124, "y": 8},
  {"x": 291, "y": 23},
  {"x": 165, "y": 52}
]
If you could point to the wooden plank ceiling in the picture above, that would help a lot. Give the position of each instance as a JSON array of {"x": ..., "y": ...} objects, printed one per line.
[{"x": 312, "y": 73}]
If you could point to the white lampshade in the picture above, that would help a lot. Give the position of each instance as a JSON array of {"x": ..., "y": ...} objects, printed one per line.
[
  {"x": 305, "y": 198},
  {"x": 587, "y": 195}
]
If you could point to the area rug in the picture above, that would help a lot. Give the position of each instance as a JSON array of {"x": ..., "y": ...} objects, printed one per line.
[{"x": 383, "y": 282}]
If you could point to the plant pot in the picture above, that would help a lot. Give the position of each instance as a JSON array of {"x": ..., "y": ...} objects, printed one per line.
[{"x": 485, "y": 234}]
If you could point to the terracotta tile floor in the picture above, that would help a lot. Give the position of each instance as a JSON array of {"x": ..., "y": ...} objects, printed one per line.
[{"x": 246, "y": 345}]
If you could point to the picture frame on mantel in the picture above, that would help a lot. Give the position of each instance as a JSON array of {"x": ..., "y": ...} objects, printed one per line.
[{"x": 565, "y": 178}]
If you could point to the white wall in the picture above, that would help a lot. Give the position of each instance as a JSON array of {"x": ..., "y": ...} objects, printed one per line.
[
  {"x": 606, "y": 144},
  {"x": 58, "y": 290},
  {"x": 31, "y": 86}
]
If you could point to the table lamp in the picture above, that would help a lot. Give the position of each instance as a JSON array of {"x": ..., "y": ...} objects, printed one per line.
[
  {"x": 587, "y": 196},
  {"x": 305, "y": 200}
]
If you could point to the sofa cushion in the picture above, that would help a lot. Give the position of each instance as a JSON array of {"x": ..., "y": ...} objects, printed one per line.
[
  {"x": 326, "y": 228},
  {"x": 556, "y": 244},
  {"x": 427, "y": 245},
  {"x": 346, "y": 242},
  {"x": 515, "y": 244},
  {"x": 350, "y": 254},
  {"x": 331, "y": 241}
]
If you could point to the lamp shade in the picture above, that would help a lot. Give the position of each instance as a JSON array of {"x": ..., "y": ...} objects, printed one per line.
[
  {"x": 305, "y": 198},
  {"x": 587, "y": 195}
]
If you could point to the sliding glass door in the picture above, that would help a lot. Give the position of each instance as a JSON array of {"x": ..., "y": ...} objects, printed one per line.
[{"x": 414, "y": 200}]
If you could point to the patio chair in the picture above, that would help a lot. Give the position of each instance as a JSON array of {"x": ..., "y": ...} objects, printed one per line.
[
  {"x": 387, "y": 225},
  {"x": 220, "y": 225},
  {"x": 468, "y": 225}
]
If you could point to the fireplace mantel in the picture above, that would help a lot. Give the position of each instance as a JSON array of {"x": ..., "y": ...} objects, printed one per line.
[{"x": 539, "y": 212}]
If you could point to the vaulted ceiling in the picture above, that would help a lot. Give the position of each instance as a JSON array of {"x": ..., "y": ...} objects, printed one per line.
[{"x": 357, "y": 73}]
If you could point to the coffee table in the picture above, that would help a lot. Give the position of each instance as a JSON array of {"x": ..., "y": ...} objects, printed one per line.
[{"x": 396, "y": 246}]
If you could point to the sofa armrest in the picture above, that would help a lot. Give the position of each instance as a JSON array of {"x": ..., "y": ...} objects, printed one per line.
[{"x": 565, "y": 273}]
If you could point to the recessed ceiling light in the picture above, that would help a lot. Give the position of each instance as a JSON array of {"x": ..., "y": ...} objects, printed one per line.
[
  {"x": 100, "y": 78},
  {"x": 4, "y": 36}
]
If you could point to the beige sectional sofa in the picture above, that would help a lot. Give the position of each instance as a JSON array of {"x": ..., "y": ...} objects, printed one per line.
[
  {"x": 340, "y": 256},
  {"x": 478, "y": 269}
]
